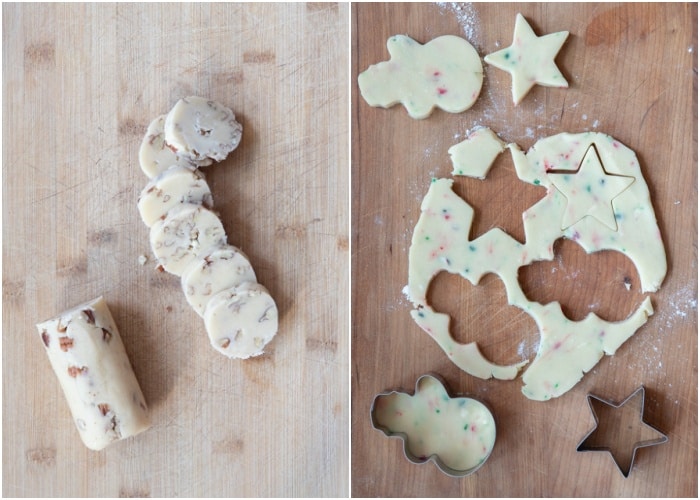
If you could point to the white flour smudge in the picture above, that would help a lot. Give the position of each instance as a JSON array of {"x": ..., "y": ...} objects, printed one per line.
[
  {"x": 677, "y": 308},
  {"x": 528, "y": 348},
  {"x": 466, "y": 17},
  {"x": 668, "y": 315}
]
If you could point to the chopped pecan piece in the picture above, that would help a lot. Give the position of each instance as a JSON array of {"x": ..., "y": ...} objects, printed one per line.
[
  {"x": 65, "y": 343},
  {"x": 106, "y": 335},
  {"x": 45, "y": 337},
  {"x": 74, "y": 371},
  {"x": 90, "y": 316}
]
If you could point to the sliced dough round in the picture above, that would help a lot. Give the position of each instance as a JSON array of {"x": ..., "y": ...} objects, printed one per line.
[
  {"x": 240, "y": 321},
  {"x": 170, "y": 188},
  {"x": 187, "y": 232},
  {"x": 201, "y": 129},
  {"x": 155, "y": 156},
  {"x": 217, "y": 270}
]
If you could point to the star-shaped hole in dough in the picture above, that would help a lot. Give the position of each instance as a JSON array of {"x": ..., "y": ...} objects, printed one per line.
[
  {"x": 620, "y": 429},
  {"x": 590, "y": 190},
  {"x": 530, "y": 59}
]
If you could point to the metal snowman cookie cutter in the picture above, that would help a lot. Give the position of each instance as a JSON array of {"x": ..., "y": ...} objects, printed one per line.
[
  {"x": 461, "y": 429},
  {"x": 589, "y": 444}
]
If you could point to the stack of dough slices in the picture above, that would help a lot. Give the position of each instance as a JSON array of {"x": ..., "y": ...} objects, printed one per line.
[{"x": 187, "y": 237}]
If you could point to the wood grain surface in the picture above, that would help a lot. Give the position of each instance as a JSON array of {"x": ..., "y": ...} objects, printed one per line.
[
  {"x": 81, "y": 82},
  {"x": 632, "y": 70}
]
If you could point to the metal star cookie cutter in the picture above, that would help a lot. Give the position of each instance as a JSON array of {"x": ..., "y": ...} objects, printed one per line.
[
  {"x": 588, "y": 443},
  {"x": 384, "y": 403}
]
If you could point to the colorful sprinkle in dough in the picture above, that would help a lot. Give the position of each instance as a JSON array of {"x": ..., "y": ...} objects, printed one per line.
[
  {"x": 474, "y": 156},
  {"x": 567, "y": 348},
  {"x": 458, "y": 434},
  {"x": 445, "y": 72},
  {"x": 530, "y": 59}
]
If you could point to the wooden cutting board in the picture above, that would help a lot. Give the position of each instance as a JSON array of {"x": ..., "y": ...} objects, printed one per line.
[
  {"x": 632, "y": 71},
  {"x": 81, "y": 82}
]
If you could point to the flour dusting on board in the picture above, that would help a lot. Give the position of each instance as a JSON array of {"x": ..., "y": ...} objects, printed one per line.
[
  {"x": 466, "y": 17},
  {"x": 668, "y": 316},
  {"x": 679, "y": 306}
]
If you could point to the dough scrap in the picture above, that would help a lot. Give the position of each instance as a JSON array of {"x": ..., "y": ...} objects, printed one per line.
[
  {"x": 457, "y": 433},
  {"x": 445, "y": 72},
  {"x": 441, "y": 242},
  {"x": 530, "y": 59},
  {"x": 474, "y": 156}
]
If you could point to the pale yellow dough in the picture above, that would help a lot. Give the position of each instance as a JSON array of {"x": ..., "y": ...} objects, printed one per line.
[
  {"x": 241, "y": 320},
  {"x": 530, "y": 59},
  {"x": 155, "y": 156},
  {"x": 567, "y": 348},
  {"x": 445, "y": 72},
  {"x": 474, "y": 156},
  {"x": 170, "y": 188},
  {"x": 91, "y": 364},
  {"x": 457, "y": 433}
]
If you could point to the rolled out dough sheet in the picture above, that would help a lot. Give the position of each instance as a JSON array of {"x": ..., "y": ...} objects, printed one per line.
[{"x": 568, "y": 348}]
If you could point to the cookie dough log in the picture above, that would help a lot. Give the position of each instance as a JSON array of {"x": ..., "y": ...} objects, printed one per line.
[
  {"x": 241, "y": 321},
  {"x": 88, "y": 357},
  {"x": 155, "y": 156},
  {"x": 176, "y": 185},
  {"x": 202, "y": 129},
  {"x": 220, "y": 269},
  {"x": 186, "y": 233}
]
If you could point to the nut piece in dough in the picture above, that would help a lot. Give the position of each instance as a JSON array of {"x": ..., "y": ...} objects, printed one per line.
[
  {"x": 91, "y": 364},
  {"x": 445, "y": 72},
  {"x": 241, "y": 321},
  {"x": 174, "y": 186},
  {"x": 155, "y": 156},
  {"x": 201, "y": 129},
  {"x": 218, "y": 270},
  {"x": 186, "y": 233}
]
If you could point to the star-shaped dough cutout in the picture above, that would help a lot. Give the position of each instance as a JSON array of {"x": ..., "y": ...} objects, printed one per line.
[
  {"x": 589, "y": 191},
  {"x": 530, "y": 59},
  {"x": 620, "y": 429}
]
